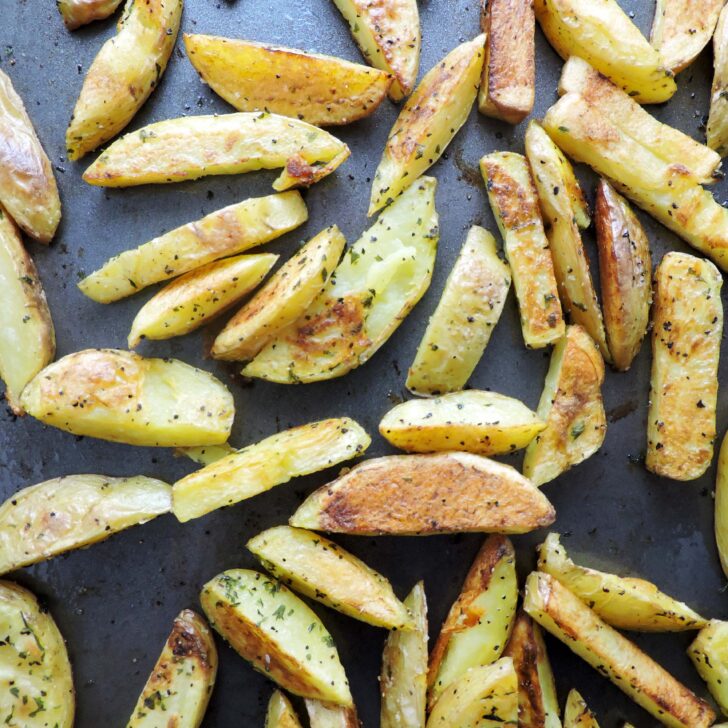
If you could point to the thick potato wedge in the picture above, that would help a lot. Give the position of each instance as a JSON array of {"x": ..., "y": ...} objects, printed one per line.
[
  {"x": 403, "y": 681},
  {"x": 480, "y": 620},
  {"x": 709, "y": 653},
  {"x": 280, "y": 712},
  {"x": 721, "y": 506},
  {"x": 179, "y": 688},
  {"x": 191, "y": 147},
  {"x": 28, "y": 188},
  {"x": 513, "y": 199},
  {"x": 565, "y": 616},
  {"x": 625, "y": 269},
  {"x": 283, "y": 299},
  {"x": 421, "y": 495},
  {"x": 119, "y": 396},
  {"x": 623, "y": 602},
  {"x": 227, "y": 231},
  {"x": 74, "y": 511},
  {"x": 571, "y": 406},
  {"x": 428, "y": 122},
  {"x": 124, "y": 73},
  {"x": 481, "y": 422},
  {"x": 268, "y": 625},
  {"x": 379, "y": 281},
  {"x": 686, "y": 335},
  {"x": 460, "y": 328},
  {"x": 388, "y": 34},
  {"x": 322, "y": 90},
  {"x": 76, "y": 13},
  {"x": 577, "y": 713},
  {"x": 717, "y": 127},
  {"x": 196, "y": 297},
  {"x": 27, "y": 338},
  {"x": 265, "y": 464},
  {"x": 327, "y": 715}
]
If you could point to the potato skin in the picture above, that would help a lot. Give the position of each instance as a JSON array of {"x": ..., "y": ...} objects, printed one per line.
[
  {"x": 717, "y": 127},
  {"x": 721, "y": 506},
  {"x": 76, "y": 13}
]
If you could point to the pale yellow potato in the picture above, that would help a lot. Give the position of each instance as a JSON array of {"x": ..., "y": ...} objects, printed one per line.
[
  {"x": 380, "y": 280},
  {"x": 514, "y": 202},
  {"x": 571, "y": 405},
  {"x": 328, "y": 715},
  {"x": 717, "y": 126},
  {"x": 459, "y": 330},
  {"x": 191, "y": 147},
  {"x": 28, "y": 188},
  {"x": 280, "y": 712},
  {"x": 428, "y": 122},
  {"x": 474, "y": 421},
  {"x": 577, "y": 713},
  {"x": 388, "y": 35},
  {"x": 123, "y": 397},
  {"x": 76, "y": 13},
  {"x": 322, "y": 90},
  {"x": 566, "y": 617},
  {"x": 58, "y": 515},
  {"x": 721, "y": 506},
  {"x": 322, "y": 570},
  {"x": 621, "y": 601},
  {"x": 709, "y": 653},
  {"x": 282, "y": 300},
  {"x": 270, "y": 627},
  {"x": 195, "y": 297},
  {"x": 179, "y": 688},
  {"x": 273, "y": 461},
  {"x": 206, "y": 454}
]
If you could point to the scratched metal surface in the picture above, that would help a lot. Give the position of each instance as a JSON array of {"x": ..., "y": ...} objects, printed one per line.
[{"x": 115, "y": 602}]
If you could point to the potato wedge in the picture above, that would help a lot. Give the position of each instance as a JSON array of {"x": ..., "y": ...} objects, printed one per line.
[
  {"x": 721, "y": 506},
  {"x": 481, "y": 422},
  {"x": 76, "y": 13},
  {"x": 283, "y": 299},
  {"x": 270, "y": 627},
  {"x": 327, "y": 715},
  {"x": 191, "y": 147},
  {"x": 514, "y": 202},
  {"x": 37, "y": 683},
  {"x": 280, "y": 712},
  {"x": 686, "y": 336},
  {"x": 206, "y": 454},
  {"x": 120, "y": 396},
  {"x": 379, "y": 281},
  {"x": 58, "y": 515},
  {"x": 717, "y": 127},
  {"x": 28, "y": 188},
  {"x": 421, "y": 495},
  {"x": 428, "y": 122},
  {"x": 460, "y": 328},
  {"x": 198, "y": 296},
  {"x": 27, "y": 337},
  {"x": 577, "y": 713},
  {"x": 709, "y": 653},
  {"x": 266, "y": 464},
  {"x": 508, "y": 86},
  {"x": 179, "y": 688},
  {"x": 388, "y": 35},
  {"x": 571, "y": 406},
  {"x": 623, "y": 602},
  {"x": 403, "y": 681},
  {"x": 480, "y": 620},
  {"x": 322, "y": 90},
  {"x": 625, "y": 268},
  {"x": 565, "y": 616}
]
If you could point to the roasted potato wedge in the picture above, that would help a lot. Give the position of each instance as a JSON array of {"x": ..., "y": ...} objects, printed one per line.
[
  {"x": 565, "y": 616},
  {"x": 74, "y": 511},
  {"x": 577, "y": 713},
  {"x": 280, "y": 712},
  {"x": 717, "y": 127},
  {"x": 179, "y": 688},
  {"x": 28, "y": 188},
  {"x": 428, "y": 122},
  {"x": 322, "y": 90},
  {"x": 191, "y": 147},
  {"x": 460, "y": 328},
  {"x": 123, "y": 397},
  {"x": 195, "y": 297},
  {"x": 480, "y": 620},
  {"x": 421, "y": 495},
  {"x": 709, "y": 653},
  {"x": 481, "y": 422},
  {"x": 721, "y": 506},
  {"x": 206, "y": 454},
  {"x": 686, "y": 335},
  {"x": 265, "y": 464},
  {"x": 76, "y": 13},
  {"x": 403, "y": 681},
  {"x": 389, "y": 38},
  {"x": 379, "y": 281},
  {"x": 283, "y": 299},
  {"x": 625, "y": 268},
  {"x": 268, "y": 625},
  {"x": 571, "y": 406},
  {"x": 327, "y": 715}
]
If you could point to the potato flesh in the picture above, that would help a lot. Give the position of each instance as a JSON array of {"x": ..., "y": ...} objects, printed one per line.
[
  {"x": 76, "y": 13},
  {"x": 717, "y": 127},
  {"x": 460, "y": 328},
  {"x": 721, "y": 506},
  {"x": 577, "y": 714},
  {"x": 280, "y": 712},
  {"x": 709, "y": 653},
  {"x": 326, "y": 715},
  {"x": 206, "y": 454}
]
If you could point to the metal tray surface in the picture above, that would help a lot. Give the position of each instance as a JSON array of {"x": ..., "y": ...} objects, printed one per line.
[{"x": 115, "y": 602}]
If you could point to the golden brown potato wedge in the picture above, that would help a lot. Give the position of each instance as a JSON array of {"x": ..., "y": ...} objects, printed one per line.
[
  {"x": 687, "y": 328},
  {"x": 76, "y": 13},
  {"x": 280, "y": 712},
  {"x": 577, "y": 713},
  {"x": 717, "y": 127},
  {"x": 709, "y": 653},
  {"x": 721, "y": 506},
  {"x": 328, "y": 715}
]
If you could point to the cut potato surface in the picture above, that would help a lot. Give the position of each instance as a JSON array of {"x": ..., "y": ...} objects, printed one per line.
[
  {"x": 709, "y": 653},
  {"x": 280, "y": 712},
  {"x": 206, "y": 454},
  {"x": 76, "y": 13},
  {"x": 717, "y": 127},
  {"x": 577, "y": 713},
  {"x": 328, "y": 715}
]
